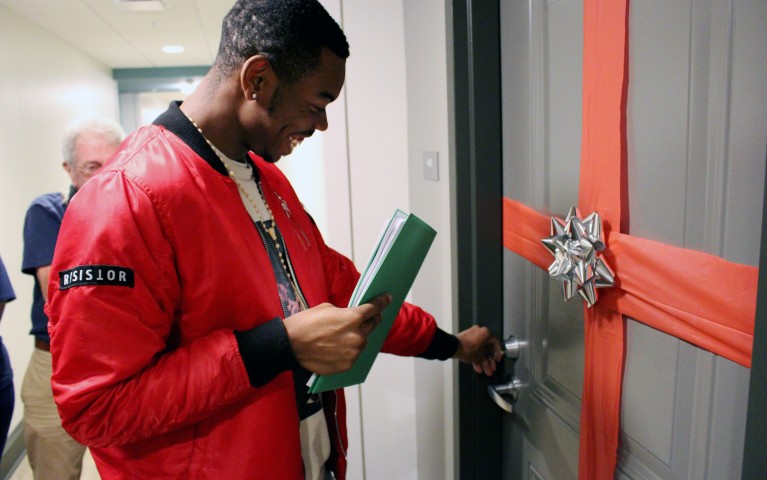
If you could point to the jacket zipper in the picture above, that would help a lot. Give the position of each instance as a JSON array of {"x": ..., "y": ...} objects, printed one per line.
[
  {"x": 338, "y": 429},
  {"x": 292, "y": 273},
  {"x": 266, "y": 247}
]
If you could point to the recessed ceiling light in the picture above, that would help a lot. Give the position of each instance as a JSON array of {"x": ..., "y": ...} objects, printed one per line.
[
  {"x": 142, "y": 5},
  {"x": 173, "y": 49}
]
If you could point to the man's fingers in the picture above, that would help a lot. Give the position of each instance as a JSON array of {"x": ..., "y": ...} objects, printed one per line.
[
  {"x": 370, "y": 324},
  {"x": 380, "y": 302},
  {"x": 326, "y": 339},
  {"x": 375, "y": 305},
  {"x": 489, "y": 367},
  {"x": 373, "y": 308},
  {"x": 485, "y": 366},
  {"x": 495, "y": 348}
]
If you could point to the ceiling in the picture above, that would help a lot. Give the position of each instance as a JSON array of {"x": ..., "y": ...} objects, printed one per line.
[{"x": 122, "y": 34}]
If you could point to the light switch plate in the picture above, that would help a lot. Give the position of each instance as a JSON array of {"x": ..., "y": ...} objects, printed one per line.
[{"x": 431, "y": 166}]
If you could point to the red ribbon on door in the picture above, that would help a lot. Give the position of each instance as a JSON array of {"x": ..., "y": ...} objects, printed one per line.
[{"x": 694, "y": 296}]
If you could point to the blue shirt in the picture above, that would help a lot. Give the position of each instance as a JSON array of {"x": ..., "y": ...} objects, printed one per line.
[
  {"x": 41, "y": 230},
  {"x": 6, "y": 290},
  {"x": 6, "y": 295}
]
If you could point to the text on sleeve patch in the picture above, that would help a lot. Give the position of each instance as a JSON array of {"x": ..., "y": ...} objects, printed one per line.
[{"x": 96, "y": 275}]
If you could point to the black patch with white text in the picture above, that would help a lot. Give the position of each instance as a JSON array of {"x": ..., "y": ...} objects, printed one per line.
[{"x": 96, "y": 275}]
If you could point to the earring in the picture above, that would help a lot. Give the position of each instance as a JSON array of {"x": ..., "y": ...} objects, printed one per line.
[{"x": 255, "y": 96}]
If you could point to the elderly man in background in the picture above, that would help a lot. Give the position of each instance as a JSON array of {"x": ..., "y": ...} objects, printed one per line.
[{"x": 53, "y": 454}]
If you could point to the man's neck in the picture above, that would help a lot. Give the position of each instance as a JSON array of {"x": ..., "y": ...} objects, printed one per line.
[{"x": 211, "y": 109}]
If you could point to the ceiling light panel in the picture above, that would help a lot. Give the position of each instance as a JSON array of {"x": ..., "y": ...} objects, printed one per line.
[
  {"x": 44, "y": 7},
  {"x": 141, "y": 5}
]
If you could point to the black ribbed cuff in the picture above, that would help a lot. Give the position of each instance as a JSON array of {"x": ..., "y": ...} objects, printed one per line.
[
  {"x": 265, "y": 351},
  {"x": 442, "y": 347}
]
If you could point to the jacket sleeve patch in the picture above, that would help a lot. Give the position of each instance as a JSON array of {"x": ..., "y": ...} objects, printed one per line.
[{"x": 96, "y": 275}]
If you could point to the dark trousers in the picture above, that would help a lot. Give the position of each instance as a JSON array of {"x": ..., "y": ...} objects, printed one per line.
[{"x": 7, "y": 400}]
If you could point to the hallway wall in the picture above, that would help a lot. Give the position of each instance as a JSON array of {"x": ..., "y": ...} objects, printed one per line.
[
  {"x": 427, "y": 70},
  {"x": 397, "y": 103},
  {"x": 377, "y": 136}
]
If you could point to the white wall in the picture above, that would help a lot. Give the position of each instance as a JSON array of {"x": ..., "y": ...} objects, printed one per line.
[
  {"x": 377, "y": 136},
  {"x": 428, "y": 130},
  {"x": 396, "y": 94},
  {"x": 43, "y": 86}
]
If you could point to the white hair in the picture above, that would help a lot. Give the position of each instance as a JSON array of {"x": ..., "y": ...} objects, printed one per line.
[{"x": 90, "y": 124}]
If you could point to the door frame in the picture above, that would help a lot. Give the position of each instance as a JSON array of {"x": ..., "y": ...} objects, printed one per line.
[
  {"x": 476, "y": 159},
  {"x": 754, "y": 459}
]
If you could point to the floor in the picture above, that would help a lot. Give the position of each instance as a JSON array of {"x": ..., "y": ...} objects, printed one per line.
[{"x": 24, "y": 472}]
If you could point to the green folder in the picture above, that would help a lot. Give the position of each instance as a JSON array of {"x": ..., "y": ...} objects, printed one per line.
[{"x": 392, "y": 269}]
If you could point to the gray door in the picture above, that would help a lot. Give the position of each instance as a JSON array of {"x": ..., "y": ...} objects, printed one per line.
[{"x": 696, "y": 124}]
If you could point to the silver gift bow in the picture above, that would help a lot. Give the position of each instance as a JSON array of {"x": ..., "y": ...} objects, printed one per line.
[{"x": 574, "y": 244}]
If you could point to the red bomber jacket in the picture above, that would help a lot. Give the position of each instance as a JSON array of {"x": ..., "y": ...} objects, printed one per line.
[{"x": 156, "y": 266}]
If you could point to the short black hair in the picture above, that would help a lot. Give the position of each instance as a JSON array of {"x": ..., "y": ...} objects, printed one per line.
[{"x": 289, "y": 33}]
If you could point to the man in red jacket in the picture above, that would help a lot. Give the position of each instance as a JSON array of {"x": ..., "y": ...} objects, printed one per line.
[{"x": 191, "y": 295}]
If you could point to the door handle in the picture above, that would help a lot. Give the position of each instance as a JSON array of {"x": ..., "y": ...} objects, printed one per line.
[
  {"x": 505, "y": 394},
  {"x": 511, "y": 347}
]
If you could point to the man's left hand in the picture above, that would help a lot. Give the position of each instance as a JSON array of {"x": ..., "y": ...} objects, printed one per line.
[{"x": 480, "y": 348}]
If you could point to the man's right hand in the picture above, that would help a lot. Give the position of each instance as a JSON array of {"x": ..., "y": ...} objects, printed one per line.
[{"x": 326, "y": 339}]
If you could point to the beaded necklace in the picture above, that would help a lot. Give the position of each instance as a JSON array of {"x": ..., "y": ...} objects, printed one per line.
[{"x": 271, "y": 227}]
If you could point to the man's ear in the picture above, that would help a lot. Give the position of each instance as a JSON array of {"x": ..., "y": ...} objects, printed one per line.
[{"x": 257, "y": 78}]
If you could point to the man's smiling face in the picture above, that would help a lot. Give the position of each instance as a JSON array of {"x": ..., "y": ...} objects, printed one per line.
[{"x": 296, "y": 110}]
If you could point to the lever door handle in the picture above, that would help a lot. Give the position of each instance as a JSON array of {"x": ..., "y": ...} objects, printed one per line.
[
  {"x": 511, "y": 347},
  {"x": 505, "y": 394}
]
